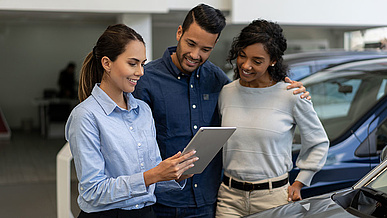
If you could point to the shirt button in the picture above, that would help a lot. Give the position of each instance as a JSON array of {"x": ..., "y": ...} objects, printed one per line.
[
  {"x": 191, "y": 86},
  {"x": 81, "y": 188},
  {"x": 130, "y": 128},
  {"x": 197, "y": 75},
  {"x": 195, "y": 127},
  {"x": 139, "y": 144},
  {"x": 136, "y": 205},
  {"x": 196, "y": 185},
  {"x": 194, "y": 106},
  {"x": 178, "y": 77},
  {"x": 142, "y": 164}
]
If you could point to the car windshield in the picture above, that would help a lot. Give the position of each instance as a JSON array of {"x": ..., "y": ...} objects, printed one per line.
[
  {"x": 379, "y": 182},
  {"x": 342, "y": 97},
  {"x": 372, "y": 198}
]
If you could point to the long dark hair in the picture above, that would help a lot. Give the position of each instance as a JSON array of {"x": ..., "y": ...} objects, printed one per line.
[
  {"x": 270, "y": 35},
  {"x": 110, "y": 44}
]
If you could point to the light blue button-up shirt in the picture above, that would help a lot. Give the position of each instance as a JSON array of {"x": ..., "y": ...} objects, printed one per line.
[{"x": 112, "y": 148}]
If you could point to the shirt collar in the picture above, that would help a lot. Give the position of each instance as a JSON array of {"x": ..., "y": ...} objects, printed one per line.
[
  {"x": 108, "y": 105},
  {"x": 172, "y": 67}
]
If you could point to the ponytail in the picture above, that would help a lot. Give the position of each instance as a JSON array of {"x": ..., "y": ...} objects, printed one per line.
[{"x": 89, "y": 76}]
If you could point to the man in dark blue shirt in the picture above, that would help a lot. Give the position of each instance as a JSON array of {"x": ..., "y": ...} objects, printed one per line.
[{"x": 182, "y": 90}]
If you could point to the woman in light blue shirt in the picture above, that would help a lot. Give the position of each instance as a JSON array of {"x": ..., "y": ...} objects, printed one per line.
[{"x": 112, "y": 135}]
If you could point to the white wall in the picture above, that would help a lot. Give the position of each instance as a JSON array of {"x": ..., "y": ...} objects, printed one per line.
[
  {"x": 111, "y": 6},
  {"x": 307, "y": 12},
  {"x": 188, "y": 4}
]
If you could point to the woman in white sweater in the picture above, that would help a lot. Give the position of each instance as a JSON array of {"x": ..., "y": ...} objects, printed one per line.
[{"x": 258, "y": 157}]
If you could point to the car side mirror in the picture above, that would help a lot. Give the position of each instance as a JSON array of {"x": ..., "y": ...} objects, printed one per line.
[{"x": 383, "y": 154}]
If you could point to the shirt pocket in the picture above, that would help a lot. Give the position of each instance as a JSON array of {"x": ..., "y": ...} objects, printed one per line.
[{"x": 210, "y": 112}]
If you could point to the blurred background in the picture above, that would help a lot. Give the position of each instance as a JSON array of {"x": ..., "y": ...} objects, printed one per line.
[
  {"x": 38, "y": 39},
  {"x": 43, "y": 44}
]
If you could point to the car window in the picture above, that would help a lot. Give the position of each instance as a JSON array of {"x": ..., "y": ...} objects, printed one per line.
[
  {"x": 377, "y": 139},
  {"x": 342, "y": 98},
  {"x": 330, "y": 100},
  {"x": 299, "y": 72},
  {"x": 379, "y": 183},
  {"x": 382, "y": 89}
]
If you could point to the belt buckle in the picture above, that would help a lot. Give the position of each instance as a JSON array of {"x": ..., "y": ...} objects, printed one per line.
[{"x": 248, "y": 186}]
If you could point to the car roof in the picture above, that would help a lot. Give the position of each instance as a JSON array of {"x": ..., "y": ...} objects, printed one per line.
[
  {"x": 368, "y": 65},
  {"x": 331, "y": 54}
]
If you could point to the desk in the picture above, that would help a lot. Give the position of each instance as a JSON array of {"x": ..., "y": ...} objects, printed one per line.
[{"x": 44, "y": 104}]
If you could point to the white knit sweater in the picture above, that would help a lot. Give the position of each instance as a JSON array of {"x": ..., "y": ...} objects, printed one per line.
[{"x": 261, "y": 147}]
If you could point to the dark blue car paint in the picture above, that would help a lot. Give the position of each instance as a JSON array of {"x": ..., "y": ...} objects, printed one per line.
[{"x": 343, "y": 168}]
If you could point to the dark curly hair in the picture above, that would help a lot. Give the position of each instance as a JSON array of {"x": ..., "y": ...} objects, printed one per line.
[{"x": 274, "y": 42}]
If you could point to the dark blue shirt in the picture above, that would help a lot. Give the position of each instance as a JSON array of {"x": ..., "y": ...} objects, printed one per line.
[{"x": 181, "y": 104}]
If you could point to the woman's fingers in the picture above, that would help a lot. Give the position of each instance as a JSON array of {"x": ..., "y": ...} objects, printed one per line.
[{"x": 187, "y": 155}]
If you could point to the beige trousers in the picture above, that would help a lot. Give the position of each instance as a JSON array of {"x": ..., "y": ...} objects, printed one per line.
[{"x": 237, "y": 203}]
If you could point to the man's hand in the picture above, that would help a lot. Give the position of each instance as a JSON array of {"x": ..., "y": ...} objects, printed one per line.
[{"x": 302, "y": 89}]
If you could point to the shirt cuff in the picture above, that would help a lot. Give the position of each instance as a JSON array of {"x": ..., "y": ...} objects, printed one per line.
[
  {"x": 182, "y": 184},
  {"x": 137, "y": 184},
  {"x": 305, "y": 177}
]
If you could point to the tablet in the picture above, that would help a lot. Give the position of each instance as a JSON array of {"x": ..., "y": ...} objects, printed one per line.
[{"x": 207, "y": 142}]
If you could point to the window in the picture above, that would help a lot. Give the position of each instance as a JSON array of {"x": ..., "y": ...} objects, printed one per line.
[
  {"x": 333, "y": 98},
  {"x": 342, "y": 98}
]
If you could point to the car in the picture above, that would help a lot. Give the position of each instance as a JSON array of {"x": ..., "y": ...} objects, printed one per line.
[
  {"x": 351, "y": 102},
  {"x": 367, "y": 198},
  {"x": 304, "y": 64}
]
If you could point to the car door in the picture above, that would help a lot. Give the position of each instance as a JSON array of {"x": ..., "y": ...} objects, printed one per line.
[
  {"x": 377, "y": 136},
  {"x": 346, "y": 106}
]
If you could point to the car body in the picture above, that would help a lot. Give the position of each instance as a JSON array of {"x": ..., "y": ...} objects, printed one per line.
[
  {"x": 351, "y": 102},
  {"x": 367, "y": 198},
  {"x": 304, "y": 64}
]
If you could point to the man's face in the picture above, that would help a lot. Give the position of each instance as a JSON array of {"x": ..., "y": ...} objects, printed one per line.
[{"x": 194, "y": 48}]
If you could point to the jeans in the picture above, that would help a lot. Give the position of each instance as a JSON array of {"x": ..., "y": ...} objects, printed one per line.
[{"x": 162, "y": 211}]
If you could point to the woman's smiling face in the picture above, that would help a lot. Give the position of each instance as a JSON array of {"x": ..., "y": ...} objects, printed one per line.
[
  {"x": 253, "y": 62},
  {"x": 126, "y": 70}
]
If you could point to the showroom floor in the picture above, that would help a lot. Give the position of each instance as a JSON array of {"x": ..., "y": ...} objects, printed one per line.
[{"x": 28, "y": 176}]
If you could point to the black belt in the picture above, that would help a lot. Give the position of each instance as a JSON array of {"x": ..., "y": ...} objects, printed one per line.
[{"x": 248, "y": 186}]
